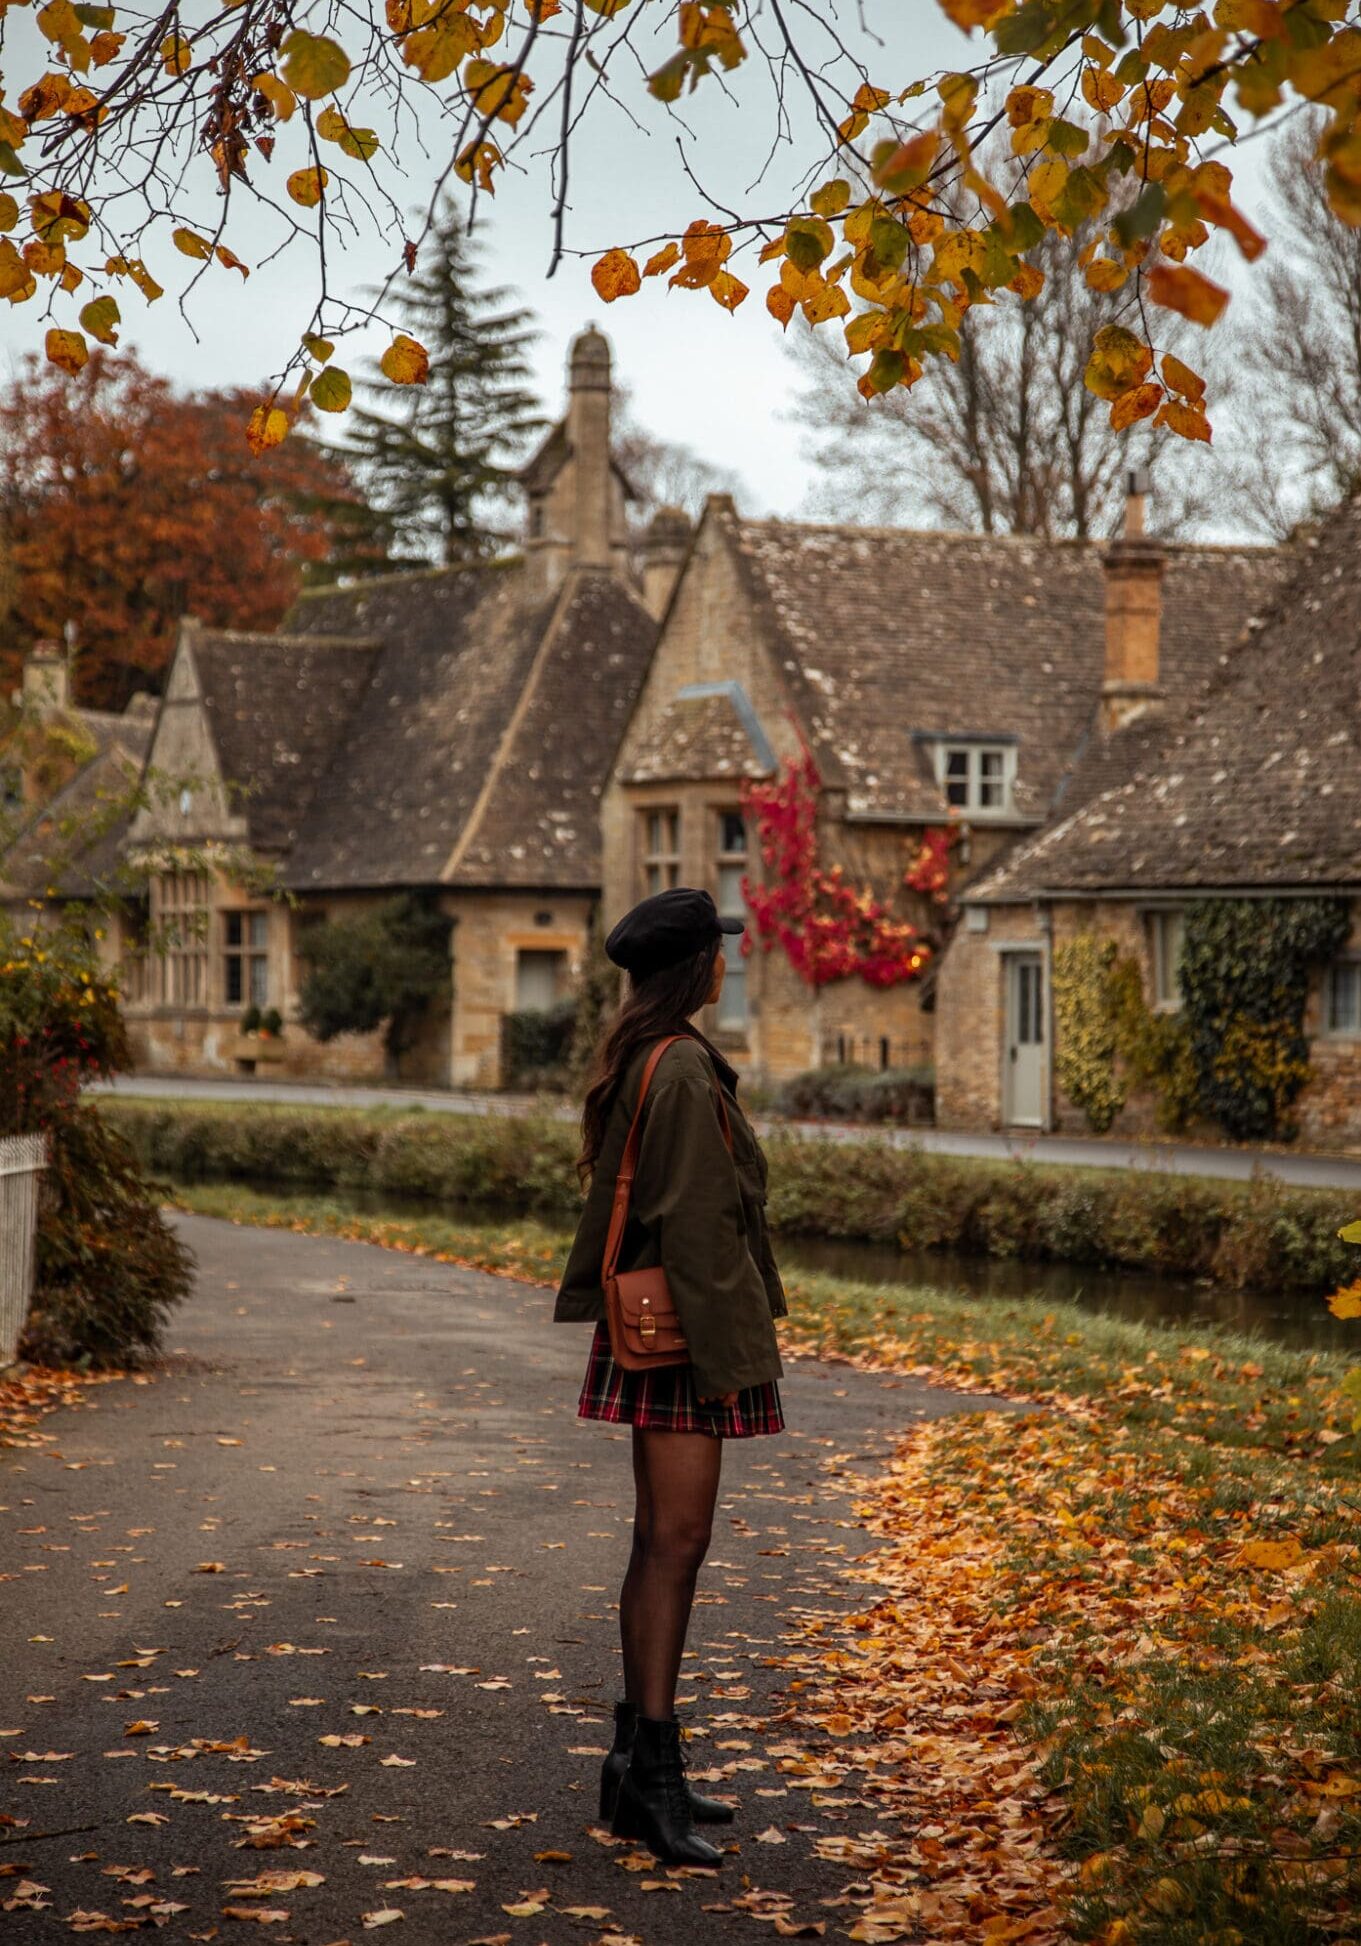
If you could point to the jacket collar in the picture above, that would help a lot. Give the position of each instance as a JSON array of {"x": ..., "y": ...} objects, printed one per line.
[{"x": 727, "y": 1073}]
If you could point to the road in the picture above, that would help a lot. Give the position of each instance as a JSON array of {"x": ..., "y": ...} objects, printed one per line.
[
  {"x": 1179, "y": 1158},
  {"x": 355, "y": 1503}
]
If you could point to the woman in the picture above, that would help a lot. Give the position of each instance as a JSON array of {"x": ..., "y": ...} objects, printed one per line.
[{"x": 698, "y": 1209}]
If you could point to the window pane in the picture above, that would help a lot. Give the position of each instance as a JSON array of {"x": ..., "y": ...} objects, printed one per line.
[
  {"x": 731, "y": 1012},
  {"x": 1344, "y": 998},
  {"x": 232, "y": 922},
  {"x": 259, "y": 980},
  {"x": 259, "y": 929},
  {"x": 732, "y": 832},
  {"x": 730, "y": 901},
  {"x": 991, "y": 763},
  {"x": 957, "y": 763},
  {"x": 233, "y": 979},
  {"x": 990, "y": 794},
  {"x": 653, "y": 879}
]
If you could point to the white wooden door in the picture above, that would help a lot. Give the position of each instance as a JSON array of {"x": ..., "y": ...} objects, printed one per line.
[{"x": 1024, "y": 1056}]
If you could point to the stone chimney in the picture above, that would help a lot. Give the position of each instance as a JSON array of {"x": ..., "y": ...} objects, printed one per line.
[
  {"x": 576, "y": 499},
  {"x": 665, "y": 545},
  {"x": 588, "y": 436},
  {"x": 1134, "y": 571},
  {"x": 46, "y": 685}
]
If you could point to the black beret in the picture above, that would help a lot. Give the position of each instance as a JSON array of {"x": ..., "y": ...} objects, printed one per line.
[{"x": 667, "y": 928}]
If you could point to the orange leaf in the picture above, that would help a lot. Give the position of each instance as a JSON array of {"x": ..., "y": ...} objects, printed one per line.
[
  {"x": 1182, "y": 289},
  {"x": 615, "y": 275},
  {"x": 405, "y": 361},
  {"x": 1187, "y": 421},
  {"x": 662, "y": 259},
  {"x": 1216, "y": 208},
  {"x": 67, "y": 349},
  {"x": 1346, "y": 1303},
  {"x": 1180, "y": 378},
  {"x": 780, "y": 304},
  {"x": 1139, "y": 403},
  {"x": 729, "y": 291},
  {"x": 268, "y": 427}
]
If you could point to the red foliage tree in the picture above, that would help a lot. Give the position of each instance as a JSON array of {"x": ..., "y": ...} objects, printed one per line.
[
  {"x": 126, "y": 506},
  {"x": 829, "y": 929}
]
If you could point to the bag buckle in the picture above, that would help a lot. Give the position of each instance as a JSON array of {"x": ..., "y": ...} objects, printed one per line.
[{"x": 647, "y": 1325}]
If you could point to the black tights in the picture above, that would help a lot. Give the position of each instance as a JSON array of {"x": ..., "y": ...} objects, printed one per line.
[{"x": 675, "y": 1476}]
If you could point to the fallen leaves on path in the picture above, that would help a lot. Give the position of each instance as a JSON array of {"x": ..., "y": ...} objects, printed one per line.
[{"x": 29, "y": 1393}]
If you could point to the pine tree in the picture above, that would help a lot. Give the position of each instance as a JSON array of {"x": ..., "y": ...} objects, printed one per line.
[{"x": 438, "y": 460}]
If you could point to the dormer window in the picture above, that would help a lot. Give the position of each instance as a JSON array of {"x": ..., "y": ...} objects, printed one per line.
[{"x": 977, "y": 777}]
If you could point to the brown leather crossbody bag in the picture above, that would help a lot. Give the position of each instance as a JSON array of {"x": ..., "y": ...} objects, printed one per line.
[{"x": 645, "y": 1330}]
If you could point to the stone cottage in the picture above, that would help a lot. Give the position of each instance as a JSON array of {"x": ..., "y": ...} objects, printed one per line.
[
  {"x": 1245, "y": 789},
  {"x": 938, "y": 679},
  {"x": 446, "y": 732}
]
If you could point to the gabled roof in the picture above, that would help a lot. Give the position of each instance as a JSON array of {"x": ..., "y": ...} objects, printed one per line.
[
  {"x": 83, "y": 827},
  {"x": 1255, "y": 783},
  {"x": 485, "y": 734},
  {"x": 708, "y": 730},
  {"x": 885, "y": 637},
  {"x": 278, "y": 707}
]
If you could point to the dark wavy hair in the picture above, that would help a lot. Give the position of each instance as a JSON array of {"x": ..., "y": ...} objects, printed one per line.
[{"x": 654, "y": 1006}]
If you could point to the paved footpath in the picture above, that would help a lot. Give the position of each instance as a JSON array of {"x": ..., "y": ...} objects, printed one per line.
[
  {"x": 349, "y": 1558},
  {"x": 1177, "y": 1158}
]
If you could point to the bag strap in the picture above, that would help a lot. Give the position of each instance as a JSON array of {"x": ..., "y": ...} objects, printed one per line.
[{"x": 628, "y": 1162}]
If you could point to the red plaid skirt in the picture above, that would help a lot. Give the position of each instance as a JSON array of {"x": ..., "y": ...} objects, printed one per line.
[{"x": 664, "y": 1399}]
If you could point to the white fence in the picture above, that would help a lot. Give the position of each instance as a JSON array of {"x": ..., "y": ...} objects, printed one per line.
[{"x": 22, "y": 1160}]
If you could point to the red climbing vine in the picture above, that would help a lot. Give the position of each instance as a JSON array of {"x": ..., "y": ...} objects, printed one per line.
[{"x": 829, "y": 928}]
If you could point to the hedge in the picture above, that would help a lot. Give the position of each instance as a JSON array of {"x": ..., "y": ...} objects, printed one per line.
[{"x": 1257, "y": 1235}]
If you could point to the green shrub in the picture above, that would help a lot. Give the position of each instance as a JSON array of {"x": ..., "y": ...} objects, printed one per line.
[
  {"x": 108, "y": 1266},
  {"x": 536, "y": 1046},
  {"x": 250, "y": 1020},
  {"x": 272, "y": 1022},
  {"x": 1258, "y": 1235},
  {"x": 846, "y": 1093}
]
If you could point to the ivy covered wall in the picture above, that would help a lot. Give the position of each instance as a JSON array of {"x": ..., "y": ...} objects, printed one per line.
[{"x": 1236, "y": 1058}]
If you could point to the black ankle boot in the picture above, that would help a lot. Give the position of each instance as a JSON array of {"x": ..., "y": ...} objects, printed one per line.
[
  {"x": 653, "y": 1803},
  {"x": 704, "y": 1810}
]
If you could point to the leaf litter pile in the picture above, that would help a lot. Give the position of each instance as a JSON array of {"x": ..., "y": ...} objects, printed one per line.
[{"x": 1104, "y": 1684}]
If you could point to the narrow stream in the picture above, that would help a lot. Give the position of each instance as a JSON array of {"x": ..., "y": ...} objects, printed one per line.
[{"x": 1296, "y": 1318}]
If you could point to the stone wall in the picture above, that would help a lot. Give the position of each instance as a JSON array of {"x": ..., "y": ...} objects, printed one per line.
[{"x": 490, "y": 930}]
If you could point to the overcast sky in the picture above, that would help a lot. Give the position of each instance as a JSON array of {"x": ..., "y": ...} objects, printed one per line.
[{"x": 722, "y": 384}]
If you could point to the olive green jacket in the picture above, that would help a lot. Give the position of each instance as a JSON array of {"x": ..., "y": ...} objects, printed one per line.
[{"x": 696, "y": 1210}]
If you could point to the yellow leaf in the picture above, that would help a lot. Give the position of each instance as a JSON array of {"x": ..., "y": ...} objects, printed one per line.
[
  {"x": 1179, "y": 288},
  {"x": 616, "y": 275},
  {"x": 176, "y": 54},
  {"x": 960, "y": 251},
  {"x": 67, "y": 349},
  {"x": 405, "y": 361},
  {"x": 727, "y": 290},
  {"x": 305, "y": 185},
  {"x": 318, "y": 348},
  {"x": 831, "y": 199},
  {"x": 281, "y": 99},
  {"x": 1026, "y": 105},
  {"x": 1346, "y": 1303},
  {"x": 268, "y": 427},
  {"x": 313, "y": 65},
  {"x": 1102, "y": 91},
  {"x": 1285, "y": 1553},
  {"x": 99, "y": 317},
  {"x": 1104, "y": 274},
  {"x": 330, "y": 390},
  {"x": 361, "y": 143},
  {"x": 1119, "y": 361},
  {"x": 830, "y": 301},
  {"x": 190, "y": 244},
  {"x": 1180, "y": 378},
  {"x": 479, "y": 159},
  {"x": 497, "y": 91}
]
